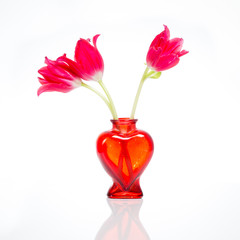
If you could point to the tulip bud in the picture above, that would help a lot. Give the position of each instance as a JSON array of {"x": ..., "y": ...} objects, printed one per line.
[{"x": 164, "y": 53}]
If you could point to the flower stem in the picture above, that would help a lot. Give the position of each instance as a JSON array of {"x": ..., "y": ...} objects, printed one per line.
[
  {"x": 100, "y": 95},
  {"x": 114, "y": 113},
  {"x": 144, "y": 77}
]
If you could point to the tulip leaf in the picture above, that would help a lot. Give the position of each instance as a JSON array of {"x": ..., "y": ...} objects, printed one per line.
[{"x": 156, "y": 75}]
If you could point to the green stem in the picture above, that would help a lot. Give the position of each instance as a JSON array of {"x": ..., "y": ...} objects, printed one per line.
[
  {"x": 114, "y": 113},
  {"x": 144, "y": 77},
  {"x": 100, "y": 95}
]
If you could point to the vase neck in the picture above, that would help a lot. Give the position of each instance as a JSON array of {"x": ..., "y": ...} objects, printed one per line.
[{"x": 124, "y": 125}]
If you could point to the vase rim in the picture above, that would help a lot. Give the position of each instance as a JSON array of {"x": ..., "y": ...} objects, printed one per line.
[{"x": 123, "y": 121}]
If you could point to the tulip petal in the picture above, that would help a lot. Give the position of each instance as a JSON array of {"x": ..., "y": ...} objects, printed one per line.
[
  {"x": 166, "y": 62},
  {"x": 82, "y": 44},
  {"x": 166, "y": 32},
  {"x": 159, "y": 42},
  {"x": 183, "y": 52},
  {"x": 161, "y": 39},
  {"x": 48, "y": 61},
  {"x": 51, "y": 78},
  {"x": 42, "y": 81},
  {"x": 50, "y": 87},
  {"x": 174, "y": 46},
  {"x": 60, "y": 72},
  {"x": 152, "y": 55},
  {"x": 69, "y": 65},
  {"x": 57, "y": 69},
  {"x": 89, "y": 59},
  {"x": 95, "y": 40}
]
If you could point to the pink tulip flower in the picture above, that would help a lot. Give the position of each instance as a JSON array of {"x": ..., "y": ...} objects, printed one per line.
[
  {"x": 89, "y": 59},
  {"x": 164, "y": 53},
  {"x": 62, "y": 75}
]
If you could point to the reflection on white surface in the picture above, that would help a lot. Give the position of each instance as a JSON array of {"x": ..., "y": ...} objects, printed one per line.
[{"x": 124, "y": 223}]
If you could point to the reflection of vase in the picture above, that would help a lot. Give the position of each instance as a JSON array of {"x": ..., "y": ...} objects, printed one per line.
[
  {"x": 125, "y": 152},
  {"x": 124, "y": 223}
]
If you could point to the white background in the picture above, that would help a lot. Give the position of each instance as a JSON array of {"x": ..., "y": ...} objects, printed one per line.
[{"x": 52, "y": 186}]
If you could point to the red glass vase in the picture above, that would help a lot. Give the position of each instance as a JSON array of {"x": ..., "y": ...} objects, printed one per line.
[{"x": 124, "y": 153}]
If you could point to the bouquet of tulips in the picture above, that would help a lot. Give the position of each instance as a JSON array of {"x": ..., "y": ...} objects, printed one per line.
[{"x": 64, "y": 74}]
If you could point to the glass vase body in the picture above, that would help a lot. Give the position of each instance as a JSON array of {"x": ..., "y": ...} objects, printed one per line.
[{"x": 125, "y": 152}]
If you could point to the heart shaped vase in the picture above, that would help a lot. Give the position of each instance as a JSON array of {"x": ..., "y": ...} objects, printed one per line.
[{"x": 124, "y": 153}]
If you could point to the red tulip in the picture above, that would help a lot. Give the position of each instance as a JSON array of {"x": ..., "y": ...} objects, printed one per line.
[
  {"x": 89, "y": 59},
  {"x": 62, "y": 75},
  {"x": 164, "y": 53}
]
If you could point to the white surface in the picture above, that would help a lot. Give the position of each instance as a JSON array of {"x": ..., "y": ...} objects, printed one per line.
[
  {"x": 52, "y": 185},
  {"x": 199, "y": 213}
]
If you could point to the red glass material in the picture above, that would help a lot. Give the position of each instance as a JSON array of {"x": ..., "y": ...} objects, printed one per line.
[{"x": 124, "y": 153}]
